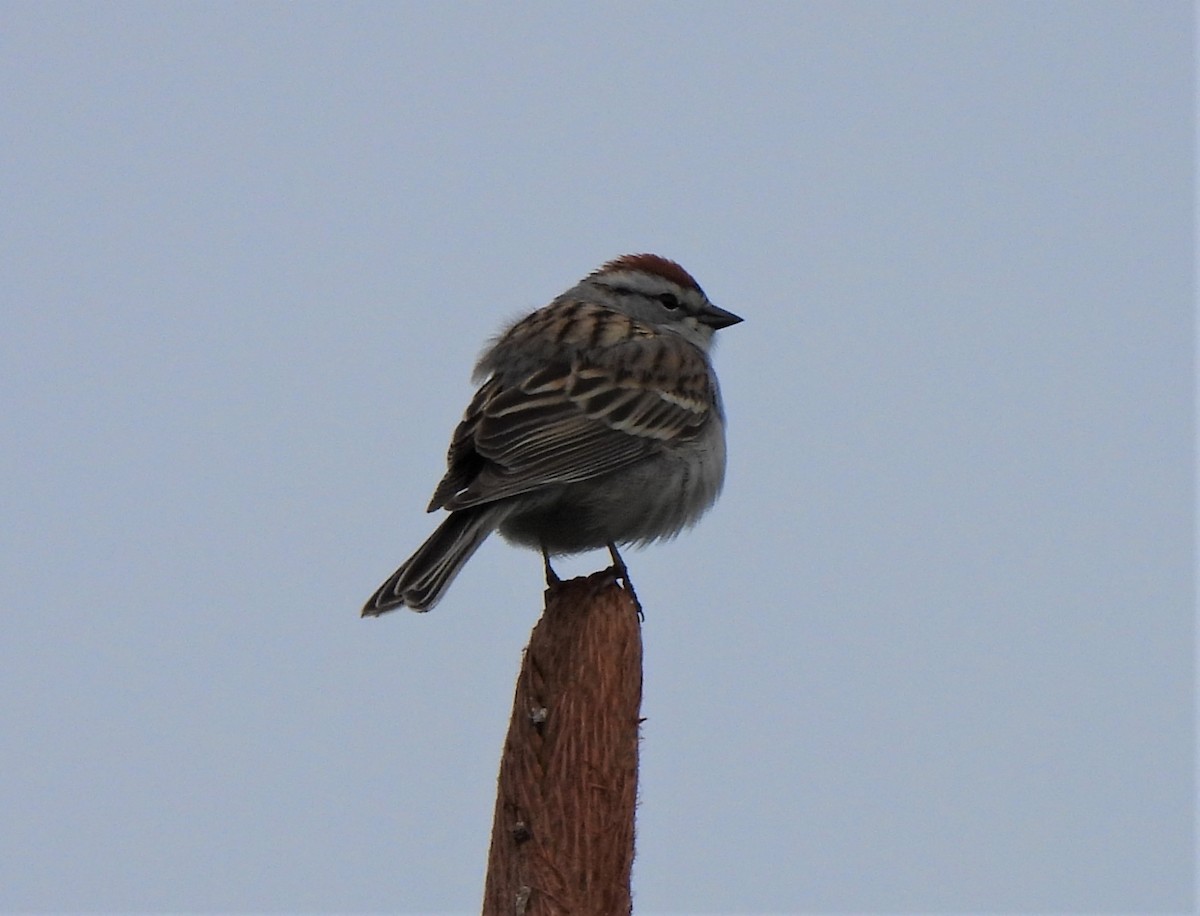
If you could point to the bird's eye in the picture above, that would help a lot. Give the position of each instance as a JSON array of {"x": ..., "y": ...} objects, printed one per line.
[{"x": 668, "y": 300}]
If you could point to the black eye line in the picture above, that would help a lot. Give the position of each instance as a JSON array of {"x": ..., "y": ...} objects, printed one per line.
[
  {"x": 620, "y": 290},
  {"x": 668, "y": 300}
]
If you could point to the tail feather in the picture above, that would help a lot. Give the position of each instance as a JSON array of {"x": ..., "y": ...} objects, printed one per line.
[{"x": 420, "y": 582}]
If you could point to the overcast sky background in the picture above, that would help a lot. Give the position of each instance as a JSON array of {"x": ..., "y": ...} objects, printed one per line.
[{"x": 932, "y": 651}]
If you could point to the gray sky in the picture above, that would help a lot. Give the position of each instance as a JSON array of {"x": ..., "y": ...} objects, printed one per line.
[{"x": 932, "y": 651}]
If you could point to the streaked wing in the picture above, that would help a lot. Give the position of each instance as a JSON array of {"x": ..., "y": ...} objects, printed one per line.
[{"x": 576, "y": 419}]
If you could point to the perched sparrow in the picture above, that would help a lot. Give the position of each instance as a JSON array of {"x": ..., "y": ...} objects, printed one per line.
[{"x": 599, "y": 423}]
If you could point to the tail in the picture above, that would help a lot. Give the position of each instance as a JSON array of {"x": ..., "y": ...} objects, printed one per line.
[{"x": 420, "y": 582}]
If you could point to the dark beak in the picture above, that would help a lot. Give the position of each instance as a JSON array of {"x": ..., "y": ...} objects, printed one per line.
[{"x": 717, "y": 318}]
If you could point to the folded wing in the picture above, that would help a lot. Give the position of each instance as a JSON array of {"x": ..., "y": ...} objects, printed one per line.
[{"x": 576, "y": 418}]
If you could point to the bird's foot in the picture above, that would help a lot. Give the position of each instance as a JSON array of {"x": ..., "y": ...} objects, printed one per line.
[
  {"x": 551, "y": 576},
  {"x": 621, "y": 571}
]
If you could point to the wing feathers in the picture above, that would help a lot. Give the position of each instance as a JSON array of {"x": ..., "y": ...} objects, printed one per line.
[{"x": 576, "y": 417}]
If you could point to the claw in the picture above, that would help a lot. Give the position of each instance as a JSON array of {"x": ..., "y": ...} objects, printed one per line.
[{"x": 621, "y": 571}]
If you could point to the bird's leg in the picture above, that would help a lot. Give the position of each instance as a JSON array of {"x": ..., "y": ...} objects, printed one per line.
[
  {"x": 551, "y": 576},
  {"x": 621, "y": 571}
]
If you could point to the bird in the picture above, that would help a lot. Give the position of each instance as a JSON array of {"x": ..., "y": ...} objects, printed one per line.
[{"x": 597, "y": 422}]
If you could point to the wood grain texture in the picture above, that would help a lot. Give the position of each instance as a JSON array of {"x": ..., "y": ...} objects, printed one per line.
[{"x": 563, "y": 833}]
